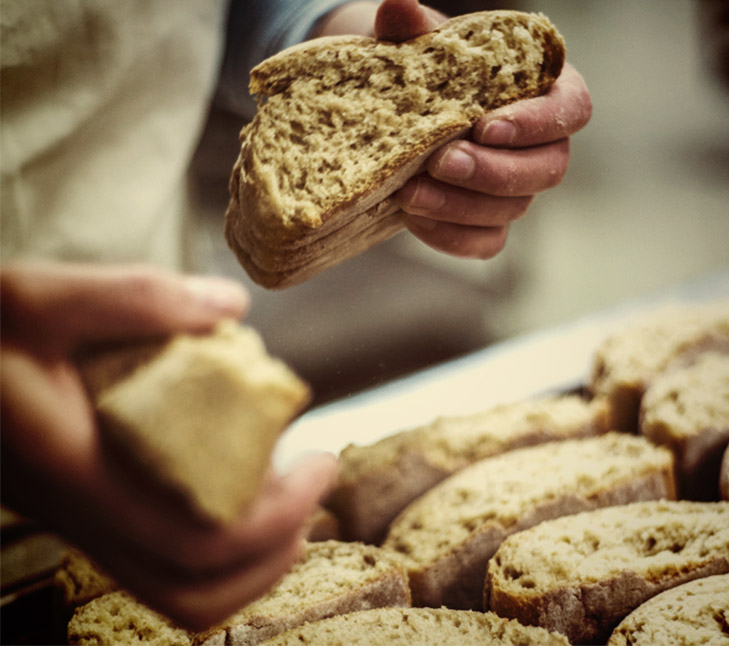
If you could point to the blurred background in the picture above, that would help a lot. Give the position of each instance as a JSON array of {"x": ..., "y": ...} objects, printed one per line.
[{"x": 644, "y": 205}]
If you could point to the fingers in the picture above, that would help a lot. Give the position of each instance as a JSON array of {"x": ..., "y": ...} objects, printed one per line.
[
  {"x": 458, "y": 240},
  {"x": 207, "y": 571},
  {"x": 59, "y": 304},
  {"x": 502, "y": 172},
  {"x": 560, "y": 113},
  {"x": 399, "y": 20}
]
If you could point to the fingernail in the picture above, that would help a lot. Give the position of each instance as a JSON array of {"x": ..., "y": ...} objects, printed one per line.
[
  {"x": 498, "y": 133},
  {"x": 455, "y": 164},
  {"x": 218, "y": 293},
  {"x": 423, "y": 195}
]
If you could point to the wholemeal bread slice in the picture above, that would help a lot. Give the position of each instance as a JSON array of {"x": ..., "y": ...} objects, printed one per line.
[
  {"x": 118, "y": 618},
  {"x": 345, "y": 121},
  {"x": 332, "y": 578},
  {"x": 417, "y": 627},
  {"x": 377, "y": 481},
  {"x": 692, "y": 613},
  {"x": 201, "y": 414},
  {"x": 630, "y": 358},
  {"x": 687, "y": 410},
  {"x": 582, "y": 574},
  {"x": 448, "y": 535}
]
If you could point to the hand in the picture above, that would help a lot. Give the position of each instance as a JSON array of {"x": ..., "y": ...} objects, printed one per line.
[
  {"x": 474, "y": 188},
  {"x": 55, "y": 468}
]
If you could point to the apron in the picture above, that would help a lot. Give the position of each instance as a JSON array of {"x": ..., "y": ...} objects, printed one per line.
[{"x": 102, "y": 105}]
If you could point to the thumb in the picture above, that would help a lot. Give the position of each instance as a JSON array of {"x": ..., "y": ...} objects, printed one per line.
[{"x": 399, "y": 20}]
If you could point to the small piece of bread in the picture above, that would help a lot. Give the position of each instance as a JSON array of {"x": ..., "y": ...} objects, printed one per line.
[
  {"x": 201, "y": 414},
  {"x": 80, "y": 580},
  {"x": 117, "y": 618},
  {"x": 582, "y": 574},
  {"x": 724, "y": 476},
  {"x": 628, "y": 360},
  {"x": 332, "y": 578},
  {"x": 448, "y": 535},
  {"x": 377, "y": 481},
  {"x": 692, "y": 613},
  {"x": 417, "y": 627},
  {"x": 687, "y": 410},
  {"x": 347, "y": 120}
]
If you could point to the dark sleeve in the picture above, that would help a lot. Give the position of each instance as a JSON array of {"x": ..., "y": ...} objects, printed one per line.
[{"x": 256, "y": 30}]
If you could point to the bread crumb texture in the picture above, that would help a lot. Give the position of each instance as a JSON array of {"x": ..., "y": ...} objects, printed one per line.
[
  {"x": 648, "y": 344},
  {"x": 687, "y": 615},
  {"x": 505, "y": 491},
  {"x": 337, "y": 119},
  {"x": 690, "y": 401},
  {"x": 117, "y": 619},
  {"x": 653, "y": 538},
  {"x": 417, "y": 627}
]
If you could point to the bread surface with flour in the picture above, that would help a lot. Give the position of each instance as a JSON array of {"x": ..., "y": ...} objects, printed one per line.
[{"x": 345, "y": 121}]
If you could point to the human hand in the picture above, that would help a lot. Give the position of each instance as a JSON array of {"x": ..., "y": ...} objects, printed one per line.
[
  {"x": 473, "y": 188},
  {"x": 57, "y": 469}
]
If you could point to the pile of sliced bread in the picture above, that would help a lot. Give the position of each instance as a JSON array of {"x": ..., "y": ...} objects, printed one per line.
[{"x": 598, "y": 518}]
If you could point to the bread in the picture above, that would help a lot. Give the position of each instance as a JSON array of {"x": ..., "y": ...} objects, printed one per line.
[
  {"x": 447, "y": 536},
  {"x": 201, "y": 414},
  {"x": 628, "y": 360},
  {"x": 332, "y": 578},
  {"x": 80, "y": 580},
  {"x": 582, "y": 574},
  {"x": 724, "y": 476},
  {"x": 417, "y": 627},
  {"x": 688, "y": 411},
  {"x": 377, "y": 481},
  {"x": 692, "y": 613},
  {"x": 117, "y": 618},
  {"x": 346, "y": 120},
  {"x": 323, "y": 525}
]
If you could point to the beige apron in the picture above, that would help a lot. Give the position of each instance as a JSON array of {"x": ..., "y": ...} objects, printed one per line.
[{"x": 102, "y": 105}]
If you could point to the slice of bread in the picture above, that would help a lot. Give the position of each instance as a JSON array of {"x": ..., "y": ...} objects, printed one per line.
[
  {"x": 632, "y": 356},
  {"x": 377, "y": 481},
  {"x": 201, "y": 414},
  {"x": 117, "y": 618},
  {"x": 79, "y": 580},
  {"x": 692, "y": 613},
  {"x": 332, "y": 578},
  {"x": 448, "y": 535},
  {"x": 582, "y": 574},
  {"x": 417, "y": 627},
  {"x": 345, "y": 121},
  {"x": 687, "y": 410}
]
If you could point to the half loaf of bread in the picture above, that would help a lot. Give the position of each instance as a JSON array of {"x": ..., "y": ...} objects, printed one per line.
[
  {"x": 417, "y": 627},
  {"x": 201, "y": 414},
  {"x": 448, "y": 535},
  {"x": 581, "y": 575},
  {"x": 693, "y": 613},
  {"x": 346, "y": 121},
  {"x": 377, "y": 481}
]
